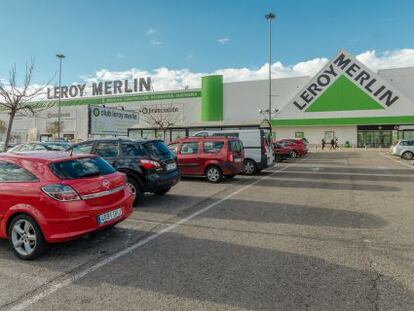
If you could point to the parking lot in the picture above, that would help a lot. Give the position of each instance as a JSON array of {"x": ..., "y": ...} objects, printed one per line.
[{"x": 330, "y": 231}]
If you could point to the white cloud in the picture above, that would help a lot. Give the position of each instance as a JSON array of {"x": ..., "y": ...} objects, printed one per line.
[
  {"x": 171, "y": 79},
  {"x": 388, "y": 59},
  {"x": 223, "y": 40},
  {"x": 150, "y": 31},
  {"x": 156, "y": 43}
]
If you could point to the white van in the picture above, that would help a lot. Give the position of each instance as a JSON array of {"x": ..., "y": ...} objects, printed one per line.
[{"x": 258, "y": 152}]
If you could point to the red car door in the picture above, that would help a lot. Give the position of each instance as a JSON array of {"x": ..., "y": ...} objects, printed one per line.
[
  {"x": 189, "y": 158},
  {"x": 17, "y": 186}
]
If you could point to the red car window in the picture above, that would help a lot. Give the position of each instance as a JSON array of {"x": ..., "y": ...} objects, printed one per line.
[
  {"x": 213, "y": 146},
  {"x": 81, "y": 168},
  {"x": 10, "y": 172},
  {"x": 189, "y": 148}
]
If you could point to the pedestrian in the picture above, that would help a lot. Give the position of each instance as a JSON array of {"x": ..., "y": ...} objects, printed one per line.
[
  {"x": 332, "y": 144},
  {"x": 323, "y": 143},
  {"x": 336, "y": 143}
]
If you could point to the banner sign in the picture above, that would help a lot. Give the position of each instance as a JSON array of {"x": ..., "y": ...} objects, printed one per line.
[
  {"x": 100, "y": 88},
  {"x": 349, "y": 73},
  {"x": 111, "y": 121}
]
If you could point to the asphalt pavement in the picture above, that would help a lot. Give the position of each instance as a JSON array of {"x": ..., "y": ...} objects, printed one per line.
[{"x": 331, "y": 231}]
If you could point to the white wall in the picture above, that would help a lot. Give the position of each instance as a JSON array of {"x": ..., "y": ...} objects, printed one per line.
[
  {"x": 76, "y": 119},
  {"x": 242, "y": 100},
  {"x": 314, "y": 134},
  {"x": 401, "y": 78}
]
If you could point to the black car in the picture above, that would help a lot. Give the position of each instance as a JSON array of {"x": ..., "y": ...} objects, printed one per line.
[
  {"x": 149, "y": 165},
  {"x": 41, "y": 146}
]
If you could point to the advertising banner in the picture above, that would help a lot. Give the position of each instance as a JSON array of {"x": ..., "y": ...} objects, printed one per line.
[{"x": 111, "y": 121}]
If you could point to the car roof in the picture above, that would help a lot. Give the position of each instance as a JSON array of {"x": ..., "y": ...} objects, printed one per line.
[
  {"x": 126, "y": 139},
  {"x": 43, "y": 156},
  {"x": 202, "y": 138},
  {"x": 107, "y": 139}
]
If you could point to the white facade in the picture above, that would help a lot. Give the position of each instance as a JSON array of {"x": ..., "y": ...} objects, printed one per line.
[{"x": 241, "y": 102}]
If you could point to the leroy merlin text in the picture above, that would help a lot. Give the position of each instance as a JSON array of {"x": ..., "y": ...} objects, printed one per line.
[
  {"x": 344, "y": 65},
  {"x": 101, "y": 88}
]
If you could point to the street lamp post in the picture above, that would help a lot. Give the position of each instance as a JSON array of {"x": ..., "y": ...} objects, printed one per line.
[
  {"x": 270, "y": 17},
  {"x": 61, "y": 57}
]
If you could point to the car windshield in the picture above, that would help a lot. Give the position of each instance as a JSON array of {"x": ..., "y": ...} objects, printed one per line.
[
  {"x": 81, "y": 168},
  {"x": 58, "y": 146},
  {"x": 157, "y": 149}
]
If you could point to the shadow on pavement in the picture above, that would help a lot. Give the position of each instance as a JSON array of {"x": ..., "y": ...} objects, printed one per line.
[
  {"x": 286, "y": 183},
  {"x": 332, "y": 176},
  {"x": 256, "y": 211},
  {"x": 242, "y": 277},
  {"x": 353, "y": 170}
]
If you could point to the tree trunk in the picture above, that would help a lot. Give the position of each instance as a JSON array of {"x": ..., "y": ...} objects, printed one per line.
[{"x": 9, "y": 128}]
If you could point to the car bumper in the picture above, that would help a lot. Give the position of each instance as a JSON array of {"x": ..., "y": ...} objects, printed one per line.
[
  {"x": 232, "y": 168},
  {"x": 394, "y": 151},
  {"x": 157, "y": 181},
  {"x": 81, "y": 219}
]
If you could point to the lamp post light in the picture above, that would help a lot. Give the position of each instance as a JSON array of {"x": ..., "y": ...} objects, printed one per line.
[
  {"x": 270, "y": 16},
  {"x": 61, "y": 57}
]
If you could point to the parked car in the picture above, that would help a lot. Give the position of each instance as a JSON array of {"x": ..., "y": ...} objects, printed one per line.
[
  {"x": 41, "y": 146},
  {"x": 212, "y": 157},
  {"x": 403, "y": 148},
  {"x": 149, "y": 165},
  {"x": 9, "y": 146},
  {"x": 52, "y": 197},
  {"x": 298, "y": 146},
  {"x": 257, "y": 147},
  {"x": 281, "y": 152}
]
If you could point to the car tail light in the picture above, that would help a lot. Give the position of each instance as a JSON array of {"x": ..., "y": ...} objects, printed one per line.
[
  {"x": 150, "y": 164},
  {"x": 60, "y": 192},
  {"x": 230, "y": 157},
  {"x": 263, "y": 145}
]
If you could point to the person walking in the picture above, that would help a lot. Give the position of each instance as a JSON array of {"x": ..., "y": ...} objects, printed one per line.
[
  {"x": 332, "y": 144},
  {"x": 323, "y": 143},
  {"x": 336, "y": 143}
]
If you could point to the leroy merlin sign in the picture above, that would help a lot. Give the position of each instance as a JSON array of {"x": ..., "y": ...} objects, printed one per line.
[{"x": 345, "y": 84}]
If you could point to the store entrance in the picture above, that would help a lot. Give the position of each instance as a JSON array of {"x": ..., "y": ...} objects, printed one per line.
[
  {"x": 376, "y": 136},
  {"x": 374, "y": 139}
]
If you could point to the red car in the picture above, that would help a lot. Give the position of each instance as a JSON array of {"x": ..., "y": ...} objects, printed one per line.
[
  {"x": 51, "y": 197},
  {"x": 212, "y": 157},
  {"x": 298, "y": 146},
  {"x": 281, "y": 152}
]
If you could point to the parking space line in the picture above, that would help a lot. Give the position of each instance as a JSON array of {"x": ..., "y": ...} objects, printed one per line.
[
  {"x": 395, "y": 160},
  {"x": 345, "y": 174},
  {"x": 55, "y": 286}
]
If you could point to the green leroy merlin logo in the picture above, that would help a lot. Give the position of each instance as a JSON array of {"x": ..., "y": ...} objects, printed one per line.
[
  {"x": 345, "y": 84},
  {"x": 96, "y": 112}
]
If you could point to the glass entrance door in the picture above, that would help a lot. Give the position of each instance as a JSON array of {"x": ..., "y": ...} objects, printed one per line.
[{"x": 374, "y": 139}]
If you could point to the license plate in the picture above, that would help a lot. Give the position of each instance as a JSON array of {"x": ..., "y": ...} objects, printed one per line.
[
  {"x": 171, "y": 166},
  {"x": 237, "y": 160},
  {"x": 111, "y": 215}
]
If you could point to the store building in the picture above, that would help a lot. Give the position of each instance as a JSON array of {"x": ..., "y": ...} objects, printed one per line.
[{"x": 345, "y": 99}]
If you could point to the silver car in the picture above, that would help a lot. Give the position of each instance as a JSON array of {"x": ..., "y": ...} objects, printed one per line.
[{"x": 403, "y": 148}]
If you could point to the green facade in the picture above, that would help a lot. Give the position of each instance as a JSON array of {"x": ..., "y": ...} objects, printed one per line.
[
  {"x": 212, "y": 98},
  {"x": 344, "y": 121},
  {"x": 101, "y": 100},
  {"x": 343, "y": 95}
]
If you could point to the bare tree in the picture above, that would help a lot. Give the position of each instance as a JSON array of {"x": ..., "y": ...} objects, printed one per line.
[
  {"x": 3, "y": 127},
  {"x": 53, "y": 128},
  {"x": 19, "y": 100},
  {"x": 162, "y": 116}
]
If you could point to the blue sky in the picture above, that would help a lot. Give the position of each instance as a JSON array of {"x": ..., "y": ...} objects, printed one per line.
[{"x": 202, "y": 36}]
